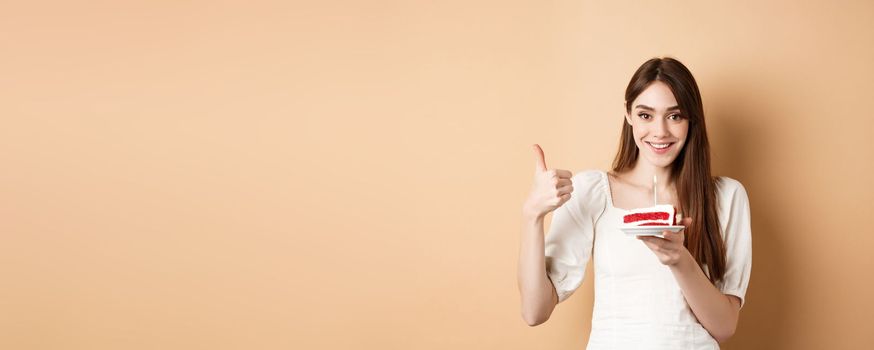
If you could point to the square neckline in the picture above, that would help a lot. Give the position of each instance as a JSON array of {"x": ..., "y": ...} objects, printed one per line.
[{"x": 610, "y": 193}]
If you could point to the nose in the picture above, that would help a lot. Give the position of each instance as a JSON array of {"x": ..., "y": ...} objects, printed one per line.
[{"x": 660, "y": 128}]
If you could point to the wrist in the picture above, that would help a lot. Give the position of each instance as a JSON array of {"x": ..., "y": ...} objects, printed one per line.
[
  {"x": 684, "y": 262},
  {"x": 532, "y": 219},
  {"x": 530, "y": 215}
]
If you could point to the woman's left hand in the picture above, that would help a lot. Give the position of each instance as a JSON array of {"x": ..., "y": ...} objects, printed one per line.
[{"x": 670, "y": 249}]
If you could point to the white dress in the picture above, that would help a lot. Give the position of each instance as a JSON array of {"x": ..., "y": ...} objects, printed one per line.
[{"x": 638, "y": 303}]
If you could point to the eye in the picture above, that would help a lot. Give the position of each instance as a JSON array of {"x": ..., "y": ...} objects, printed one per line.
[
  {"x": 644, "y": 116},
  {"x": 675, "y": 117}
]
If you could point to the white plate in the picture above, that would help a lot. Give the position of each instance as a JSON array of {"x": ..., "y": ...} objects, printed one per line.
[{"x": 649, "y": 230}]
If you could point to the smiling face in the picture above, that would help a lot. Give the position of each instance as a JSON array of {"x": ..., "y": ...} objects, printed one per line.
[{"x": 658, "y": 125}]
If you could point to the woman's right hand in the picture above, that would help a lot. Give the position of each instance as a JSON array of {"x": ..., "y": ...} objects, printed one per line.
[{"x": 551, "y": 188}]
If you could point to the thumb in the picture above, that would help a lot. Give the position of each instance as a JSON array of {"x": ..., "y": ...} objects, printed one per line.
[{"x": 540, "y": 165}]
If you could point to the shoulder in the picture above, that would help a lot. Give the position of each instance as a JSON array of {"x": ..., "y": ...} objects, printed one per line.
[
  {"x": 589, "y": 180},
  {"x": 589, "y": 175},
  {"x": 730, "y": 188},
  {"x": 732, "y": 196},
  {"x": 590, "y": 188}
]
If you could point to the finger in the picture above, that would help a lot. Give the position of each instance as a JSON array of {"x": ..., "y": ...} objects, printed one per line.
[
  {"x": 540, "y": 164},
  {"x": 565, "y": 189},
  {"x": 650, "y": 241},
  {"x": 647, "y": 239},
  {"x": 672, "y": 236},
  {"x": 563, "y": 182},
  {"x": 563, "y": 174},
  {"x": 656, "y": 241}
]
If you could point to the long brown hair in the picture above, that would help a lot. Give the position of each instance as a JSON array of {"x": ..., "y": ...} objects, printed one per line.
[{"x": 696, "y": 188}]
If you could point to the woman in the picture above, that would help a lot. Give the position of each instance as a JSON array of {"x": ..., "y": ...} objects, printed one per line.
[{"x": 683, "y": 291}]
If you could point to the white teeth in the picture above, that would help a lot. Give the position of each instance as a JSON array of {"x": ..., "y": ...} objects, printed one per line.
[{"x": 659, "y": 145}]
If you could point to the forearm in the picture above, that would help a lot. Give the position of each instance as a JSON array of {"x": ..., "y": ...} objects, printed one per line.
[
  {"x": 713, "y": 309},
  {"x": 538, "y": 295}
]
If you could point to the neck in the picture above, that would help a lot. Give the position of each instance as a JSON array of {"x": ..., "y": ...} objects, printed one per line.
[{"x": 643, "y": 171}]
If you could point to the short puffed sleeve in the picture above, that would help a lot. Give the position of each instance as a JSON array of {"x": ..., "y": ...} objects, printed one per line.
[
  {"x": 568, "y": 242},
  {"x": 734, "y": 220}
]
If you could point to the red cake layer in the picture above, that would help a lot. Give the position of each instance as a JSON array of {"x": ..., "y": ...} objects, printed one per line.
[
  {"x": 647, "y": 216},
  {"x": 657, "y": 215}
]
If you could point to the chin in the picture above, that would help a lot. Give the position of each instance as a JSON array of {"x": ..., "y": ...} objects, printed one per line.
[{"x": 661, "y": 162}]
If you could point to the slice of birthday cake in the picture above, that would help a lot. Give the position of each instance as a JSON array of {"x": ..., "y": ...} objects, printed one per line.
[{"x": 659, "y": 215}]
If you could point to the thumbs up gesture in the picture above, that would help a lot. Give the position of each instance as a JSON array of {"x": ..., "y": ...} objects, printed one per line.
[{"x": 551, "y": 189}]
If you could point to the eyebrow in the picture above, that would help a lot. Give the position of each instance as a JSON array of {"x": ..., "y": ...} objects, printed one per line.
[{"x": 672, "y": 108}]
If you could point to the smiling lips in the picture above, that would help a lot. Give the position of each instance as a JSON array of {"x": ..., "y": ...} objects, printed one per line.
[{"x": 660, "y": 148}]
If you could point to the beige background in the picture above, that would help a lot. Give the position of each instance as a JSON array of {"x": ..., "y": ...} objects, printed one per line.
[{"x": 349, "y": 175}]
